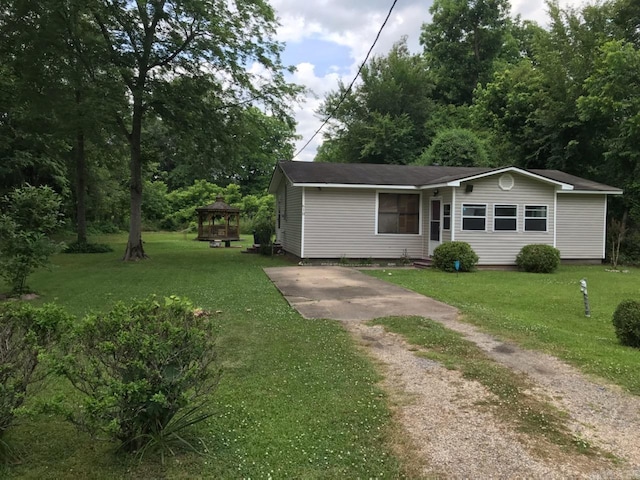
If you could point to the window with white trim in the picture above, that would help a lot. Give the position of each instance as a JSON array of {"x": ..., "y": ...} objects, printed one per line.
[
  {"x": 474, "y": 217},
  {"x": 505, "y": 218},
  {"x": 535, "y": 218},
  {"x": 399, "y": 213},
  {"x": 446, "y": 216}
]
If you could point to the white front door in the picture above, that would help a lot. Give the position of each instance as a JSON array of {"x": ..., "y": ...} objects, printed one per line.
[{"x": 435, "y": 225}]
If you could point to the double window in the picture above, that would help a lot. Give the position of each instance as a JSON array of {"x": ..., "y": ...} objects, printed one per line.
[
  {"x": 505, "y": 218},
  {"x": 535, "y": 218},
  {"x": 474, "y": 217},
  {"x": 399, "y": 213}
]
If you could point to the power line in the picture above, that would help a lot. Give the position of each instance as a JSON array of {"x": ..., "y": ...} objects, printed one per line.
[{"x": 348, "y": 90}]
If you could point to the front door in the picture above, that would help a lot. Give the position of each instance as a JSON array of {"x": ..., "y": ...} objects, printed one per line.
[{"x": 435, "y": 225}]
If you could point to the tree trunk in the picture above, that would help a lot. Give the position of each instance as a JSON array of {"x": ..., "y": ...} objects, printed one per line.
[
  {"x": 135, "y": 249},
  {"x": 81, "y": 182}
]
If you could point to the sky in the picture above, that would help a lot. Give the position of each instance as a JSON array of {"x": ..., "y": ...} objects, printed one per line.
[{"x": 327, "y": 40}]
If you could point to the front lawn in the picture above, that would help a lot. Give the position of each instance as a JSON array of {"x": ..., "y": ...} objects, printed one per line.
[
  {"x": 543, "y": 312},
  {"x": 295, "y": 401}
]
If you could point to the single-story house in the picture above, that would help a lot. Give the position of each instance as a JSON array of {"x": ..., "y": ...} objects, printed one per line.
[{"x": 335, "y": 210}]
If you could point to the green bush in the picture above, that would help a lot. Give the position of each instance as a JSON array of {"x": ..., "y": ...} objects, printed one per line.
[
  {"x": 76, "y": 247},
  {"x": 626, "y": 321},
  {"x": 27, "y": 218},
  {"x": 445, "y": 255},
  {"x": 538, "y": 258},
  {"x": 145, "y": 370},
  {"x": 26, "y": 333}
]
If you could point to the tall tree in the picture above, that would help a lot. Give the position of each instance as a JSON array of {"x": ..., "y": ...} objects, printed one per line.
[
  {"x": 151, "y": 42},
  {"x": 385, "y": 118},
  {"x": 461, "y": 44},
  {"x": 62, "y": 81},
  {"x": 612, "y": 102},
  {"x": 532, "y": 106}
]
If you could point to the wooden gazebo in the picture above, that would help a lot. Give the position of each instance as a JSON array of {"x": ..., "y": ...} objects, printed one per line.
[{"x": 218, "y": 222}]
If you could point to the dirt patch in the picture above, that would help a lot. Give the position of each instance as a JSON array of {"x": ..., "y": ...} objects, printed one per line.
[{"x": 25, "y": 297}]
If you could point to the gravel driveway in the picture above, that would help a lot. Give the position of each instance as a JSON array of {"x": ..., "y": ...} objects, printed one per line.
[{"x": 449, "y": 436}]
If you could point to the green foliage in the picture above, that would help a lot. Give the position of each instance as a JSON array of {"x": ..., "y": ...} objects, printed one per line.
[
  {"x": 447, "y": 253},
  {"x": 264, "y": 225},
  {"x": 461, "y": 45},
  {"x": 155, "y": 202},
  {"x": 29, "y": 215},
  {"x": 144, "y": 370},
  {"x": 538, "y": 258},
  {"x": 76, "y": 247},
  {"x": 182, "y": 203},
  {"x": 383, "y": 119},
  {"x": 456, "y": 147},
  {"x": 626, "y": 321},
  {"x": 26, "y": 334}
]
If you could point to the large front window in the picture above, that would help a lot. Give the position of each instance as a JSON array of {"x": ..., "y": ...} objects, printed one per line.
[{"x": 399, "y": 213}]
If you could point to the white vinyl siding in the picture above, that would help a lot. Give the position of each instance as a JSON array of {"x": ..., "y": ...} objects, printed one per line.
[
  {"x": 289, "y": 229},
  {"x": 580, "y": 220},
  {"x": 501, "y": 248},
  {"x": 342, "y": 223}
]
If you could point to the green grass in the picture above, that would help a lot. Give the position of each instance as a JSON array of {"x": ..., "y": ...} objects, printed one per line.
[
  {"x": 543, "y": 312},
  {"x": 511, "y": 404},
  {"x": 295, "y": 401}
]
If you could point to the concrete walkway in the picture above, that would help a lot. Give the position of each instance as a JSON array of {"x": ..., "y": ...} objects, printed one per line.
[{"x": 341, "y": 293}]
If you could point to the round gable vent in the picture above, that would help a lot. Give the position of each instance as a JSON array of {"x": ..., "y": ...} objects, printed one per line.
[{"x": 506, "y": 181}]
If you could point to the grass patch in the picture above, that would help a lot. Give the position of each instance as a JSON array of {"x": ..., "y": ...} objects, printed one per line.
[
  {"x": 543, "y": 312},
  {"x": 511, "y": 404},
  {"x": 295, "y": 401}
]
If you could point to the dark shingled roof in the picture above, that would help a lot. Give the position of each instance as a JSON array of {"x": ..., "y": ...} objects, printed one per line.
[
  {"x": 408, "y": 175},
  {"x": 578, "y": 183}
]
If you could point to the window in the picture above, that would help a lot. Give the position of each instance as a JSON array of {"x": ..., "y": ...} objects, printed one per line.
[
  {"x": 399, "y": 213},
  {"x": 505, "y": 217},
  {"x": 535, "y": 218},
  {"x": 474, "y": 217},
  {"x": 446, "y": 216}
]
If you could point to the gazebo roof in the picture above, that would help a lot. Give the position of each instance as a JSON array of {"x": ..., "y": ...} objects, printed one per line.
[{"x": 218, "y": 206}]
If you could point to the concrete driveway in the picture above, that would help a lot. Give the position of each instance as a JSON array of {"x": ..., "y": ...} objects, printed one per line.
[{"x": 341, "y": 293}]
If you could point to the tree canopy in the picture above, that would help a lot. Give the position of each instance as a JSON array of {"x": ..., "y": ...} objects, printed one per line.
[{"x": 190, "y": 86}]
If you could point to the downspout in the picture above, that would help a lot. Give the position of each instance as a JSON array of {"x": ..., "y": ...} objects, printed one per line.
[
  {"x": 453, "y": 214},
  {"x": 555, "y": 217},
  {"x": 604, "y": 231}
]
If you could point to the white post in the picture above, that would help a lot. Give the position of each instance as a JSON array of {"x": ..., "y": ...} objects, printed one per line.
[{"x": 585, "y": 296}]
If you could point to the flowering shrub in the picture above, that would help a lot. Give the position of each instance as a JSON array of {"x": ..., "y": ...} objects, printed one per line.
[{"x": 145, "y": 370}]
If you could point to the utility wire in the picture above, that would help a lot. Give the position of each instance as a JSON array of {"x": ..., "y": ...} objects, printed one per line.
[{"x": 348, "y": 90}]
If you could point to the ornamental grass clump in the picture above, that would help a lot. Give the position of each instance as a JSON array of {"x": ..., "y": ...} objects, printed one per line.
[
  {"x": 26, "y": 335},
  {"x": 446, "y": 255},
  {"x": 146, "y": 371},
  {"x": 626, "y": 321},
  {"x": 538, "y": 258}
]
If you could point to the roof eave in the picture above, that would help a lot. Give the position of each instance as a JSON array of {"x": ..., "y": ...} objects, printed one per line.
[
  {"x": 562, "y": 185},
  {"x": 356, "y": 185},
  {"x": 596, "y": 192}
]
